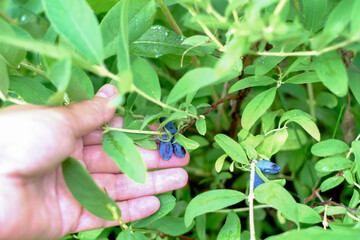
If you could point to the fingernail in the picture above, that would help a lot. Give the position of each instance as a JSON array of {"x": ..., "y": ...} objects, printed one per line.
[{"x": 107, "y": 91}]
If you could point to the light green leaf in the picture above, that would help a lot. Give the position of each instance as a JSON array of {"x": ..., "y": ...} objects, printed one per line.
[
  {"x": 200, "y": 225},
  {"x": 267, "y": 120},
  {"x": 354, "y": 82},
  {"x": 80, "y": 87},
  {"x": 4, "y": 78},
  {"x": 59, "y": 74},
  {"x": 211, "y": 201},
  {"x": 257, "y": 107},
  {"x": 307, "y": 214},
  {"x": 294, "y": 114},
  {"x": 335, "y": 210},
  {"x": 191, "y": 81},
  {"x": 186, "y": 142},
  {"x": 146, "y": 143},
  {"x": 302, "y": 78},
  {"x": 167, "y": 203},
  {"x": 76, "y": 22},
  {"x": 220, "y": 162},
  {"x": 173, "y": 226},
  {"x": 85, "y": 190},
  {"x": 252, "y": 81},
  {"x": 326, "y": 99},
  {"x": 272, "y": 144},
  {"x": 145, "y": 77},
  {"x": 279, "y": 198},
  {"x": 333, "y": 164},
  {"x": 31, "y": 90},
  {"x": 331, "y": 183},
  {"x": 10, "y": 53},
  {"x": 308, "y": 125},
  {"x": 201, "y": 126},
  {"x": 355, "y": 24},
  {"x": 329, "y": 147},
  {"x": 231, "y": 229},
  {"x": 174, "y": 116},
  {"x": 331, "y": 71},
  {"x": 232, "y": 148},
  {"x": 140, "y": 17},
  {"x": 126, "y": 155}
]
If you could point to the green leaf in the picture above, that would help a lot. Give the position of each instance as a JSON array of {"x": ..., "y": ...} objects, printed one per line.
[
  {"x": 201, "y": 126},
  {"x": 192, "y": 81},
  {"x": 356, "y": 148},
  {"x": 302, "y": 78},
  {"x": 100, "y": 6},
  {"x": 257, "y": 107},
  {"x": 76, "y": 22},
  {"x": 326, "y": 99},
  {"x": 273, "y": 194},
  {"x": 59, "y": 74},
  {"x": 211, "y": 201},
  {"x": 308, "y": 125},
  {"x": 231, "y": 229},
  {"x": 145, "y": 77},
  {"x": 200, "y": 225},
  {"x": 136, "y": 125},
  {"x": 252, "y": 81},
  {"x": 314, "y": 12},
  {"x": 80, "y": 86},
  {"x": 123, "y": 58},
  {"x": 4, "y": 78},
  {"x": 272, "y": 144},
  {"x": 294, "y": 114},
  {"x": 125, "y": 154},
  {"x": 167, "y": 203},
  {"x": 335, "y": 210},
  {"x": 318, "y": 234},
  {"x": 332, "y": 164},
  {"x": 31, "y": 90},
  {"x": 85, "y": 190},
  {"x": 329, "y": 147},
  {"x": 232, "y": 148},
  {"x": 173, "y": 226},
  {"x": 267, "y": 120},
  {"x": 140, "y": 17},
  {"x": 354, "y": 82},
  {"x": 307, "y": 214},
  {"x": 186, "y": 142},
  {"x": 220, "y": 162},
  {"x": 355, "y": 24},
  {"x": 331, "y": 71},
  {"x": 159, "y": 41},
  {"x": 11, "y": 54},
  {"x": 146, "y": 143},
  {"x": 331, "y": 183}
]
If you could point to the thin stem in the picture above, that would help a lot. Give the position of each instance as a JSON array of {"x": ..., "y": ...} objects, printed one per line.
[
  {"x": 235, "y": 15},
  {"x": 107, "y": 128},
  {"x": 27, "y": 65},
  {"x": 357, "y": 185},
  {"x": 353, "y": 217},
  {"x": 275, "y": 130},
  {"x": 311, "y": 99},
  {"x": 242, "y": 209},
  {"x": 208, "y": 32},
  {"x": 309, "y": 53},
  {"x": 161, "y": 104},
  {"x": 280, "y": 7},
  {"x": 324, "y": 222},
  {"x": 251, "y": 202},
  {"x": 338, "y": 121},
  {"x": 351, "y": 149},
  {"x": 6, "y": 17}
]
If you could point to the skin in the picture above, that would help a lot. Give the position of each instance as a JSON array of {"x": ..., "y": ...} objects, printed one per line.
[{"x": 35, "y": 202}]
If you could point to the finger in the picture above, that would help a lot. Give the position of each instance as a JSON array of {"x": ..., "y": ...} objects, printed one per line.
[
  {"x": 95, "y": 137},
  {"x": 86, "y": 116},
  {"x": 120, "y": 187},
  {"x": 97, "y": 161},
  {"x": 131, "y": 210}
]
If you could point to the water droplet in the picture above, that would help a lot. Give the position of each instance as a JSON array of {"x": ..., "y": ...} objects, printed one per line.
[{"x": 23, "y": 18}]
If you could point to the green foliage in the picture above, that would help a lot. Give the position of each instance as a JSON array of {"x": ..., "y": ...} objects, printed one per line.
[{"x": 241, "y": 80}]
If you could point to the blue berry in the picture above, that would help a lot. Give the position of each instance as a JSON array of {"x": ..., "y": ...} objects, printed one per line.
[
  {"x": 268, "y": 167},
  {"x": 169, "y": 126},
  {"x": 166, "y": 150}
]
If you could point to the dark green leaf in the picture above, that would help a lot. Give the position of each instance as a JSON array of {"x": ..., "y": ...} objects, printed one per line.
[
  {"x": 85, "y": 190},
  {"x": 273, "y": 194},
  {"x": 232, "y": 148},
  {"x": 125, "y": 154},
  {"x": 329, "y": 147},
  {"x": 331, "y": 183},
  {"x": 231, "y": 229},
  {"x": 211, "y": 201},
  {"x": 331, "y": 71},
  {"x": 200, "y": 225},
  {"x": 257, "y": 107},
  {"x": 252, "y": 81},
  {"x": 333, "y": 164},
  {"x": 80, "y": 87},
  {"x": 76, "y": 22},
  {"x": 173, "y": 226},
  {"x": 167, "y": 203}
]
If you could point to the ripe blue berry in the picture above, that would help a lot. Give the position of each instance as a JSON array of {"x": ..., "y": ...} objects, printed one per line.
[
  {"x": 166, "y": 150},
  {"x": 169, "y": 126}
]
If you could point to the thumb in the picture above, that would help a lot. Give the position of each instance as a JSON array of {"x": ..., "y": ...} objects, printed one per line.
[{"x": 86, "y": 116}]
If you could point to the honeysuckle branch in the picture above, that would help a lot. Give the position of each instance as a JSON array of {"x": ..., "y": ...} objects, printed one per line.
[
  {"x": 245, "y": 209},
  {"x": 108, "y": 128},
  {"x": 275, "y": 130},
  {"x": 29, "y": 66},
  {"x": 310, "y": 53}
]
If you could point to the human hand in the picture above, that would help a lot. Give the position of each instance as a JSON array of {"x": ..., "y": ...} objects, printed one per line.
[{"x": 35, "y": 202}]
